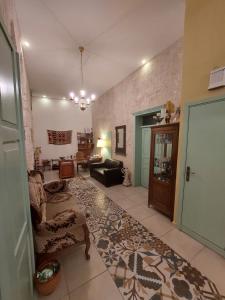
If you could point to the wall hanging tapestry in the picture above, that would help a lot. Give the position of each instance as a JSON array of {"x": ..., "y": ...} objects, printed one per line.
[{"x": 59, "y": 137}]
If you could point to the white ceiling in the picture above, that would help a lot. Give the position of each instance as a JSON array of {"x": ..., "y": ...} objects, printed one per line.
[{"x": 117, "y": 35}]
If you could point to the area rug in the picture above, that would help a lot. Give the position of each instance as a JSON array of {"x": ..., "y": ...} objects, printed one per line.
[{"x": 142, "y": 266}]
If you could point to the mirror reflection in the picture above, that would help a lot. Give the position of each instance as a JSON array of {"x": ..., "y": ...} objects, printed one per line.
[{"x": 162, "y": 158}]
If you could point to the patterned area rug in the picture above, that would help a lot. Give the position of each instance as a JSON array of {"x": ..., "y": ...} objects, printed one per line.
[{"x": 142, "y": 266}]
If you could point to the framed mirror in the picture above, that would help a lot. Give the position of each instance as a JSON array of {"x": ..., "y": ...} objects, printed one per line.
[{"x": 120, "y": 140}]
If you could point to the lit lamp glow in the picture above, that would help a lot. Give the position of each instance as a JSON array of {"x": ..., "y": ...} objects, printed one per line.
[{"x": 100, "y": 143}]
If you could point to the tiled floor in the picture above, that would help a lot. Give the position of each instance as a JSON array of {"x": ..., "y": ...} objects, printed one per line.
[{"x": 84, "y": 280}]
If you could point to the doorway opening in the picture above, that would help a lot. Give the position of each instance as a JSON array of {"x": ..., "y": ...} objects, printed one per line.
[{"x": 143, "y": 120}]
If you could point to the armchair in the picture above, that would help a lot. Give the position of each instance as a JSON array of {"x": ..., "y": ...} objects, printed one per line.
[
  {"x": 58, "y": 223},
  {"x": 108, "y": 173}
]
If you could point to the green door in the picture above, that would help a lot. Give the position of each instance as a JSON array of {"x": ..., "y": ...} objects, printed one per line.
[
  {"x": 204, "y": 193},
  {"x": 145, "y": 156},
  {"x": 16, "y": 253}
]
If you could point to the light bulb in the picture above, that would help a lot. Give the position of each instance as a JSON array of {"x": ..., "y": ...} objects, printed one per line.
[
  {"x": 76, "y": 100},
  {"x": 93, "y": 97},
  {"x": 88, "y": 101},
  {"x": 26, "y": 44},
  {"x": 72, "y": 95},
  {"x": 82, "y": 93}
]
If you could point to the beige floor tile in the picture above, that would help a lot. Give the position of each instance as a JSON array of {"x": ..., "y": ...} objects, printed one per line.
[
  {"x": 100, "y": 288},
  {"x": 158, "y": 224},
  {"x": 212, "y": 265},
  {"x": 126, "y": 202},
  {"x": 141, "y": 199},
  {"x": 78, "y": 270},
  {"x": 61, "y": 290},
  {"x": 141, "y": 212},
  {"x": 182, "y": 243}
]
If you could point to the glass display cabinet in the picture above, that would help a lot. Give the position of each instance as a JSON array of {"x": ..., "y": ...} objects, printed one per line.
[{"x": 163, "y": 164}]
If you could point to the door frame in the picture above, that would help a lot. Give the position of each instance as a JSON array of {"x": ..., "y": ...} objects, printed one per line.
[
  {"x": 19, "y": 114},
  {"x": 137, "y": 117},
  {"x": 183, "y": 158}
]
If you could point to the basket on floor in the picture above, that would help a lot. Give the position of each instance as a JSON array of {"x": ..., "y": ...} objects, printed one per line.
[{"x": 47, "y": 277}]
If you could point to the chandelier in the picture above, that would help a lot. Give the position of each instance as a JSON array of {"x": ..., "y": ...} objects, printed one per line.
[{"x": 82, "y": 100}]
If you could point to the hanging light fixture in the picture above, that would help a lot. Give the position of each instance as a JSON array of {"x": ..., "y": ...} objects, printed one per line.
[{"x": 82, "y": 100}]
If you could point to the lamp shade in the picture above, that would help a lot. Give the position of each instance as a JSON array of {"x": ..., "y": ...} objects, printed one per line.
[{"x": 100, "y": 143}]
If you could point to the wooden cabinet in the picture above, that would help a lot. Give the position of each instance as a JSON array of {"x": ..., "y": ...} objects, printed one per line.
[
  {"x": 66, "y": 169},
  {"x": 163, "y": 165},
  {"x": 85, "y": 143}
]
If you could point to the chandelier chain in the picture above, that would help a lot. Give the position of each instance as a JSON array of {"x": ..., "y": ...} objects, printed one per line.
[{"x": 81, "y": 67}]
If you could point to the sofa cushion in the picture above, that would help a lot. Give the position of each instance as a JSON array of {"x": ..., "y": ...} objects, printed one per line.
[
  {"x": 100, "y": 170},
  {"x": 107, "y": 163},
  {"x": 53, "y": 208},
  {"x": 111, "y": 163},
  {"x": 115, "y": 164}
]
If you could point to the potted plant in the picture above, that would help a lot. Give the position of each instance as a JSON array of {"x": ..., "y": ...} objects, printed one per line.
[{"x": 47, "y": 277}]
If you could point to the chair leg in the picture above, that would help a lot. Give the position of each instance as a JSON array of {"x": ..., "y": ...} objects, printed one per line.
[{"x": 87, "y": 241}]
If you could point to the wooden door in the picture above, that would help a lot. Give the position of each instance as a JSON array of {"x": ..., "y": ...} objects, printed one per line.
[
  {"x": 16, "y": 252},
  {"x": 163, "y": 162},
  {"x": 203, "y": 211},
  {"x": 145, "y": 156}
]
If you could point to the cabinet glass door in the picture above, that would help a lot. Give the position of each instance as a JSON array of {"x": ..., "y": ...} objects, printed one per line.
[{"x": 162, "y": 156}]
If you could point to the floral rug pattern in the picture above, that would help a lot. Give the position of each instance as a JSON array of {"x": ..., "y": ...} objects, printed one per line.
[{"x": 142, "y": 266}]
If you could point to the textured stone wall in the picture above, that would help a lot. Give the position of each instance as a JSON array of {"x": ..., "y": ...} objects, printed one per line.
[
  {"x": 149, "y": 86},
  {"x": 9, "y": 18}
]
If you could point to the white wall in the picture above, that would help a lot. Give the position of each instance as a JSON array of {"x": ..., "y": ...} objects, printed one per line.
[{"x": 57, "y": 115}]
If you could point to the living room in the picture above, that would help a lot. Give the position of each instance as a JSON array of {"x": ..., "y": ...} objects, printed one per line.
[{"x": 115, "y": 110}]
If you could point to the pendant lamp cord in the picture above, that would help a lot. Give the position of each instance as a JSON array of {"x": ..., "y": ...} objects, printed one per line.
[{"x": 81, "y": 67}]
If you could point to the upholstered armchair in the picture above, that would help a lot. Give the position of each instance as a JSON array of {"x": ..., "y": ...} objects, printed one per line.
[{"x": 58, "y": 222}]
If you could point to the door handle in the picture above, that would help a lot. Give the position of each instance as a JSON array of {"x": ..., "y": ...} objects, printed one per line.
[
  {"x": 188, "y": 170},
  {"x": 188, "y": 173}
]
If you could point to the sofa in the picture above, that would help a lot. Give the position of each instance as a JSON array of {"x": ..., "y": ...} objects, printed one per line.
[
  {"x": 108, "y": 173},
  {"x": 57, "y": 221}
]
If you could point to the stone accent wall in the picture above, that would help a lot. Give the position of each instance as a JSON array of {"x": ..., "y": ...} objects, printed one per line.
[
  {"x": 149, "y": 86},
  {"x": 9, "y": 18}
]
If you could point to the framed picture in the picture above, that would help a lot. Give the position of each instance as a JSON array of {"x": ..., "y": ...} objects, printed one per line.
[{"x": 120, "y": 140}]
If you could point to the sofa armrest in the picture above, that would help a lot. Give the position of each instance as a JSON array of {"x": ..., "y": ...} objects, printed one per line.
[
  {"x": 96, "y": 165},
  {"x": 113, "y": 171},
  {"x": 62, "y": 222}
]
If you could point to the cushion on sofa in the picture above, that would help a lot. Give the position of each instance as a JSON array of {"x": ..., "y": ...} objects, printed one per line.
[{"x": 110, "y": 163}]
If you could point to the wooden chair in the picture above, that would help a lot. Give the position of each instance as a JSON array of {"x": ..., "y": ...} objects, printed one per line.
[{"x": 81, "y": 160}]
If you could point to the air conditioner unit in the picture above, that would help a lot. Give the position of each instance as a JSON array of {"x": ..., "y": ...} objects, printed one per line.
[{"x": 217, "y": 78}]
